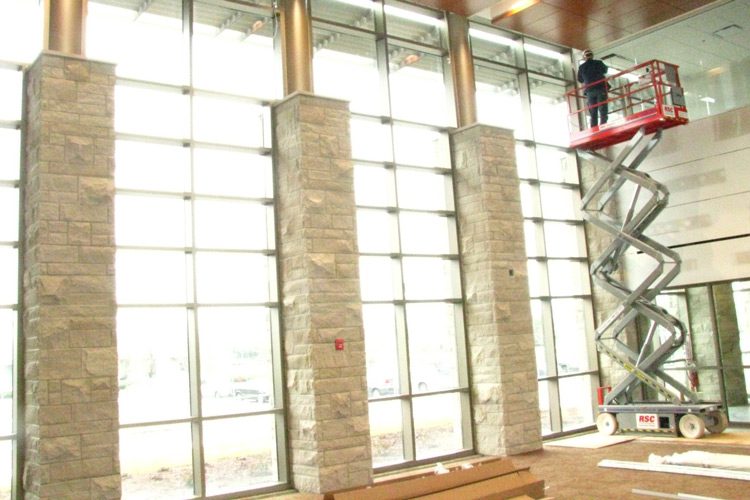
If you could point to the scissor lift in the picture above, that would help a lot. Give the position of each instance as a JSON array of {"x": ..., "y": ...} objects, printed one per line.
[{"x": 643, "y": 101}]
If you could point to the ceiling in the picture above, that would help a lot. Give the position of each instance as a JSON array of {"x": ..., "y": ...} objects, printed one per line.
[{"x": 576, "y": 23}]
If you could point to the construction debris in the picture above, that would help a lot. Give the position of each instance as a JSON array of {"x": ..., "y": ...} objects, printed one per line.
[
  {"x": 728, "y": 461},
  {"x": 677, "y": 469}
]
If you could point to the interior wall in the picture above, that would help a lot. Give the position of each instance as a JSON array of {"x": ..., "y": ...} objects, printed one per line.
[{"x": 706, "y": 167}]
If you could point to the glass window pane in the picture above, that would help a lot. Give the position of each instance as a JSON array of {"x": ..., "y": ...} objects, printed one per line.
[
  {"x": 237, "y": 56},
  {"x": 568, "y": 278},
  {"x": 423, "y": 189},
  {"x": 423, "y": 233},
  {"x": 556, "y": 165},
  {"x": 373, "y": 186},
  {"x": 411, "y": 22},
  {"x": 424, "y": 147},
  {"x": 438, "y": 425},
  {"x": 152, "y": 167},
  {"x": 526, "y": 161},
  {"x": 549, "y": 112},
  {"x": 151, "y": 277},
  {"x": 8, "y": 331},
  {"x": 430, "y": 278},
  {"x": 571, "y": 340},
  {"x": 537, "y": 321},
  {"x": 21, "y": 30},
  {"x": 534, "y": 238},
  {"x": 150, "y": 221},
  {"x": 576, "y": 401},
  {"x": 10, "y": 154},
  {"x": 432, "y": 346},
  {"x": 381, "y": 349},
  {"x": 153, "y": 364},
  {"x": 378, "y": 278},
  {"x": 229, "y": 121},
  {"x": 530, "y": 200},
  {"x": 10, "y": 86},
  {"x": 236, "y": 359},
  {"x": 560, "y": 202},
  {"x": 6, "y": 467},
  {"x": 9, "y": 210},
  {"x": 9, "y": 273},
  {"x": 240, "y": 453},
  {"x": 386, "y": 433},
  {"x": 232, "y": 173},
  {"x": 544, "y": 407},
  {"x": 418, "y": 90},
  {"x": 232, "y": 278},
  {"x": 494, "y": 45},
  {"x": 358, "y": 13},
  {"x": 147, "y": 46},
  {"x": 546, "y": 59},
  {"x": 371, "y": 140},
  {"x": 498, "y": 98},
  {"x": 156, "y": 462},
  {"x": 376, "y": 231},
  {"x": 537, "y": 278},
  {"x": 563, "y": 240},
  {"x": 346, "y": 67},
  {"x": 147, "y": 111},
  {"x": 243, "y": 225}
]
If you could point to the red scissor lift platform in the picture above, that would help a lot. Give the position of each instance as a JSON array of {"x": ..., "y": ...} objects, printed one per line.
[{"x": 647, "y": 96}]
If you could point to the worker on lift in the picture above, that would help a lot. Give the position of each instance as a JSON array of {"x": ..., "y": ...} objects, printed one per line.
[{"x": 591, "y": 71}]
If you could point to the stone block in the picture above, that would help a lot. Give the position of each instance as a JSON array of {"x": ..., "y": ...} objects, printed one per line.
[
  {"x": 54, "y": 414},
  {"x": 98, "y": 362},
  {"x": 59, "y": 449}
]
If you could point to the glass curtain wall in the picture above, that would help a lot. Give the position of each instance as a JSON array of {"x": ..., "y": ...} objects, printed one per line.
[
  {"x": 714, "y": 361},
  {"x": 388, "y": 60},
  {"x": 201, "y": 407},
  {"x": 20, "y": 43},
  {"x": 521, "y": 85}
]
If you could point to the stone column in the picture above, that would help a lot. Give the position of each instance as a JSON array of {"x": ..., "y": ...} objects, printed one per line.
[
  {"x": 498, "y": 316},
  {"x": 71, "y": 414},
  {"x": 319, "y": 282},
  {"x": 704, "y": 342},
  {"x": 729, "y": 342}
]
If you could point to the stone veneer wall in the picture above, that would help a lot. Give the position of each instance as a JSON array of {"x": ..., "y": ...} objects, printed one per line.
[
  {"x": 498, "y": 316},
  {"x": 71, "y": 413},
  {"x": 319, "y": 280},
  {"x": 704, "y": 341},
  {"x": 729, "y": 342}
]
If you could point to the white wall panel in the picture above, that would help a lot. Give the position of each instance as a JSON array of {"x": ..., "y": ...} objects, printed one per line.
[
  {"x": 706, "y": 167},
  {"x": 718, "y": 261}
]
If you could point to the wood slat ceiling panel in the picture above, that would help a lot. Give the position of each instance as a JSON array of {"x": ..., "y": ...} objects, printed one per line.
[{"x": 592, "y": 23}]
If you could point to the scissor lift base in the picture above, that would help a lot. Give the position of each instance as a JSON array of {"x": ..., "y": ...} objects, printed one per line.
[{"x": 664, "y": 418}]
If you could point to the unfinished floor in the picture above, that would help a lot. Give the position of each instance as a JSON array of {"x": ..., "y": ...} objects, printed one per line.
[{"x": 573, "y": 474}]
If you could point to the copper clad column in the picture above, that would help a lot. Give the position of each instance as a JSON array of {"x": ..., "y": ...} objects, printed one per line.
[
  {"x": 296, "y": 46},
  {"x": 462, "y": 66},
  {"x": 64, "y": 26}
]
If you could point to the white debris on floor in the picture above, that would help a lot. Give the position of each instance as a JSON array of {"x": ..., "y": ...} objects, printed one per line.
[{"x": 728, "y": 461}]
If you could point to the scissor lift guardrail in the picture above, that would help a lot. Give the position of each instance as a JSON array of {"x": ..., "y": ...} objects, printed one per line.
[{"x": 650, "y": 100}]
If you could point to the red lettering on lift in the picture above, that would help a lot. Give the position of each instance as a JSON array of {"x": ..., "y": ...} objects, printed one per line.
[{"x": 647, "y": 419}]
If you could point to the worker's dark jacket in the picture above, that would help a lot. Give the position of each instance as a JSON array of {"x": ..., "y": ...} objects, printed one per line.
[{"x": 591, "y": 71}]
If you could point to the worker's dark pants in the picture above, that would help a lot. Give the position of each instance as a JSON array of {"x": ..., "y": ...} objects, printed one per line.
[{"x": 597, "y": 114}]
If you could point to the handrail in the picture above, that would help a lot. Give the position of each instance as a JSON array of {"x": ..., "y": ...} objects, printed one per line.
[{"x": 649, "y": 93}]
